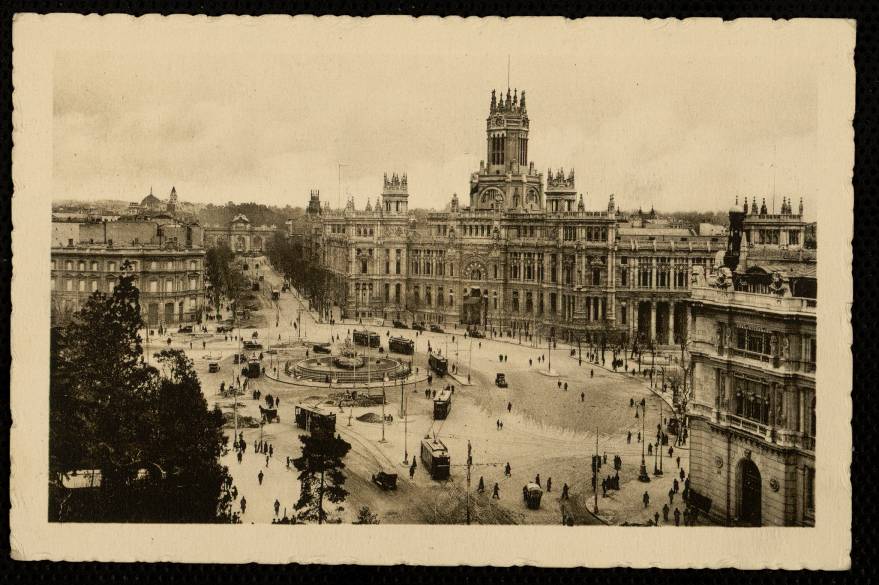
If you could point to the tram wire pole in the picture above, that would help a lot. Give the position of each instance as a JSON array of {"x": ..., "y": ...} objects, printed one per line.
[
  {"x": 595, "y": 461},
  {"x": 469, "y": 463}
]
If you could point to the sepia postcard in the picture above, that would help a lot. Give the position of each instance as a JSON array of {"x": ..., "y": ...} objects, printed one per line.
[{"x": 388, "y": 290}]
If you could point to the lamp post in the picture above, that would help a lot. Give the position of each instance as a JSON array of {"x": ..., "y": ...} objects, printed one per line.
[
  {"x": 643, "y": 476},
  {"x": 404, "y": 399},
  {"x": 658, "y": 470},
  {"x": 384, "y": 399}
]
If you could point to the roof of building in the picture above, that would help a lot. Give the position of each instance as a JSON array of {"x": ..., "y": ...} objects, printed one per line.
[
  {"x": 648, "y": 231},
  {"x": 790, "y": 269},
  {"x": 151, "y": 200}
]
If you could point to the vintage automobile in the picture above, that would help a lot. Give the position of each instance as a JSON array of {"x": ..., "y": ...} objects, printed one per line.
[
  {"x": 224, "y": 328},
  {"x": 500, "y": 380},
  {"x": 400, "y": 325},
  {"x": 436, "y": 329},
  {"x": 254, "y": 286},
  {"x": 213, "y": 367},
  {"x": 418, "y": 326},
  {"x": 475, "y": 333},
  {"x": 239, "y": 358},
  {"x": 321, "y": 348},
  {"x": 185, "y": 329},
  {"x": 251, "y": 345},
  {"x": 532, "y": 495},
  {"x": 386, "y": 481}
]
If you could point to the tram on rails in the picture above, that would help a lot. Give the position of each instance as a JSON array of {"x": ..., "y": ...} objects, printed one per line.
[
  {"x": 315, "y": 421},
  {"x": 369, "y": 338},
  {"x": 438, "y": 364},
  {"x": 435, "y": 458},
  {"x": 442, "y": 405},
  {"x": 401, "y": 345}
]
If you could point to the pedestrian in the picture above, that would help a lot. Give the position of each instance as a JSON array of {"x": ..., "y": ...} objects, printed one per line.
[
  {"x": 671, "y": 451},
  {"x": 509, "y": 406},
  {"x": 686, "y": 516},
  {"x": 498, "y": 424},
  {"x": 203, "y": 344},
  {"x": 665, "y": 512},
  {"x": 646, "y": 499},
  {"x": 277, "y": 506},
  {"x": 267, "y": 459},
  {"x": 676, "y": 486},
  {"x": 243, "y": 505},
  {"x": 656, "y": 518},
  {"x": 496, "y": 492},
  {"x": 412, "y": 469},
  {"x": 259, "y": 477},
  {"x": 682, "y": 471},
  {"x": 671, "y": 495},
  {"x": 566, "y": 386},
  {"x": 537, "y": 480},
  {"x": 565, "y": 491},
  {"x": 677, "y": 517},
  {"x": 631, "y": 402},
  {"x": 529, "y": 362},
  {"x": 240, "y": 456},
  {"x": 548, "y": 484},
  {"x": 679, "y": 460},
  {"x": 591, "y": 373},
  {"x": 650, "y": 449},
  {"x": 560, "y": 384},
  {"x": 507, "y": 470},
  {"x": 502, "y": 425},
  {"x": 481, "y": 487},
  {"x": 605, "y": 458},
  {"x": 629, "y": 438},
  {"x": 639, "y": 436},
  {"x": 604, "y": 488},
  {"x": 271, "y": 448}
]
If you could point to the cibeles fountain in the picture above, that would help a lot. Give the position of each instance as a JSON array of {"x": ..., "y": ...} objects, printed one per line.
[{"x": 345, "y": 365}]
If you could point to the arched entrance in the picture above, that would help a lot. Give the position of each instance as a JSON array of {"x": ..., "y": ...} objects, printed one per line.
[
  {"x": 472, "y": 306},
  {"x": 749, "y": 492}
]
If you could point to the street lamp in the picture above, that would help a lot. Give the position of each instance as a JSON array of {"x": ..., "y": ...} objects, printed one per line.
[{"x": 643, "y": 476}]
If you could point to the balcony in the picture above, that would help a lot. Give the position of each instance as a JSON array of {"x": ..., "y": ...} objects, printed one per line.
[
  {"x": 775, "y": 435},
  {"x": 754, "y": 300}
]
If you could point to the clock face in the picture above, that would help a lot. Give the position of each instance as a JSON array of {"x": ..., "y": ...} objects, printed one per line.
[{"x": 499, "y": 121}]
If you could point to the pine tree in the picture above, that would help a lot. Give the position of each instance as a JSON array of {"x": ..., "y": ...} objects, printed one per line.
[{"x": 320, "y": 475}]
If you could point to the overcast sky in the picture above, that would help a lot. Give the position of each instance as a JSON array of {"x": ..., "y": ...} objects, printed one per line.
[{"x": 658, "y": 113}]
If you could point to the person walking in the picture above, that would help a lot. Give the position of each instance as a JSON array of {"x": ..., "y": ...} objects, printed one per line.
[
  {"x": 481, "y": 487},
  {"x": 591, "y": 373},
  {"x": 677, "y": 517},
  {"x": 243, "y": 504},
  {"x": 629, "y": 438},
  {"x": 508, "y": 470},
  {"x": 509, "y": 406},
  {"x": 679, "y": 460},
  {"x": 267, "y": 459},
  {"x": 412, "y": 470},
  {"x": 682, "y": 474},
  {"x": 537, "y": 480},
  {"x": 656, "y": 518},
  {"x": 271, "y": 448},
  {"x": 646, "y": 499},
  {"x": 496, "y": 492},
  {"x": 665, "y": 512},
  {"x": 582, "y": 397},
  {"x": 240, "y": 456},
  {"x": 566, "y": 386},
  {"x": 671, "y": 495},
  {"x": 676, "y": 486},
  {"x": 548, "y": 484},
  {"x": 259, "y": 477},
  {"x": 565, "y": 491},
  {"x": 277, "y": 506},
  {"x": 671, "y": 451}
]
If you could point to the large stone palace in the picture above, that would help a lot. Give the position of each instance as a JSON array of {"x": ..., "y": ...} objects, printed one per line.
[{"x": 521, "y": 253}]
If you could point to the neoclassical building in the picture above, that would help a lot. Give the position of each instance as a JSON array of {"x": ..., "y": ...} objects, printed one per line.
[
  {"x": 239, "y": 235},
  {"x": 166, "y": 258},
  {"x": 520, "y": 253},
  {"x": 753, "y": 346}
]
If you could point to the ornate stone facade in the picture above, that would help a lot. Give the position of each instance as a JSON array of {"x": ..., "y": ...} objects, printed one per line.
[
  {"x": 521, "y": 254},
  {"x": 240, "y": 235}
]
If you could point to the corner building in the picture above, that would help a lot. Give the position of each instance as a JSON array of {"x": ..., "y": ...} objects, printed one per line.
[
  {"x": 520, "y": 255},
  {"x": 753, "y": 408}
]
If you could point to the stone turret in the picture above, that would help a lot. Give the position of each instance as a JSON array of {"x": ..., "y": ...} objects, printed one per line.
[{"x": 395, "y": 194}]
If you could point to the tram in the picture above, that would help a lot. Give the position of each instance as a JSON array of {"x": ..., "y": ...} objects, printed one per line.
[
  {"x": 442, "y": 404},
  {"x": 401, "y": 345},
  {"x": 438, "y": 364},
  {"x": 435, "y": 458},
  {"x": 369, "y": 338},
  {"x": 315, "y": 421}
]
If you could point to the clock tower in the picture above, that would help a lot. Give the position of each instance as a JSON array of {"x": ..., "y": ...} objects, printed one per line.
[{"x": 506, "y": 179}]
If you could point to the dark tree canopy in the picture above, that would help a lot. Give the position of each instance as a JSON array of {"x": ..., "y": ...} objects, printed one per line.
[
  {"x": 320, "y": 474},
  {"x": 149, "y": 433}
]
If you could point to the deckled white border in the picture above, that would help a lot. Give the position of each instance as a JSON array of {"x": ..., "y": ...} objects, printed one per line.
[{"x": 827, "y": 546}]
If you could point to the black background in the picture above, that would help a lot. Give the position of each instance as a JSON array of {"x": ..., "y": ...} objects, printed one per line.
[{"x": 863, "y": 312}]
